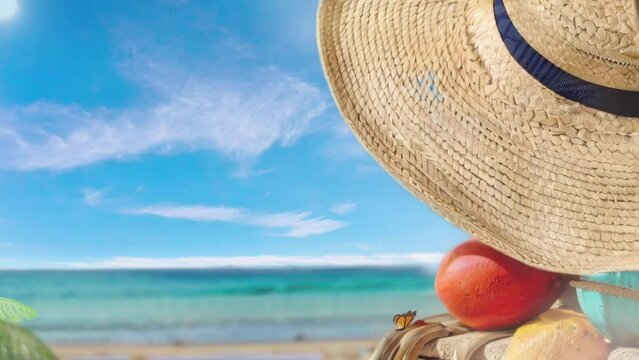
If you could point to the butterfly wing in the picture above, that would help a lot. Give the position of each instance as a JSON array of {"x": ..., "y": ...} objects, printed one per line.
[
  {"x": 399, "y": 321},
  {"x": 410, "y": 316},
  {"x": 402, "y": 321}
]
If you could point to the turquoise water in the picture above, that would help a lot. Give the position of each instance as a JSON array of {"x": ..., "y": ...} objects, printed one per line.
[{"x": 193, "y": 306}]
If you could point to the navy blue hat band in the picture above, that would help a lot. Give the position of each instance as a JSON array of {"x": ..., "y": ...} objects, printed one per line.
[{"x": 615, "y": 101}]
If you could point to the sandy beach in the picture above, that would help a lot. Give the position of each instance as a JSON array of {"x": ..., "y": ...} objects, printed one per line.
[{"x": 302, "y": 350}]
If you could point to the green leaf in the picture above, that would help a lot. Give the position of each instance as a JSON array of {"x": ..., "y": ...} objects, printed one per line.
[
  {"x": 17, "y": 343},
  {"x": 14, "y": 311}
]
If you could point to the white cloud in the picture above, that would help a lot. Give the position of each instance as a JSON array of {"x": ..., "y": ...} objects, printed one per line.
[
  {"x": 195, "y": 213},
  {"x": 263, "y": 261},
  {"x": 240, "y": 120},
  {"x": 244, "y": 172},
  {"x": 295, "y": 223},
  {"x": 343, "y": 208},
  {"x": 191, "y": 99},
  {"x": 186, "y": 103},
  {"x": 93, "y": 197},
  {"x": 10, "y": 263},
  {"x": 364, "y": 246}
]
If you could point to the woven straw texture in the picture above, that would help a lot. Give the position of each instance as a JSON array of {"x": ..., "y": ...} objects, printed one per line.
[
  {"x": 431, "y": 91},
  {"x": 585, "y": 37}
]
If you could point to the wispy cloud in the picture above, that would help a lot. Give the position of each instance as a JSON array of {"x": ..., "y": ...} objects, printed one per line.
[
  {"x": 364, "y": 246},
  {"x": 264, "y": 261},
  {"x": 189, "y": 104},
  {"x": 195, "y": 213},
  {"x": 239, "y": 120},
  {"x": 93, "y": 197},
  {"x": 343, "y": 208},
  {"x": 11, "y": 263},
  {"x": 294, "y": 223},
  {"x": 244, "y": 172}
]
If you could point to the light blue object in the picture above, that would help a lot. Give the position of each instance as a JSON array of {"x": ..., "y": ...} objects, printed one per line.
[{"x": 617, "y": 318}]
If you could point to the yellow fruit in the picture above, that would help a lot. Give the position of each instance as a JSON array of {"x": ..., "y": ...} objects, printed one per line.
[{"x": 557, "y": 334}]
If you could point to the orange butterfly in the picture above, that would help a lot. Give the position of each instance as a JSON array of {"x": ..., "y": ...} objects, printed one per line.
[{"x": 402, "y": 321}]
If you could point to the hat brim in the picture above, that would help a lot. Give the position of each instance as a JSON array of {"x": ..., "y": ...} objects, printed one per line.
[{"x": 432, "y": 93}]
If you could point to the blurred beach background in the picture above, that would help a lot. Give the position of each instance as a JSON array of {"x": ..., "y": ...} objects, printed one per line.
[{"x": 182, "y": 308}]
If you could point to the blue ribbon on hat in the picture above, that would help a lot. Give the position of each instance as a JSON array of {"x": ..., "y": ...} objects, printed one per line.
[{"x": 615, "y": 101}]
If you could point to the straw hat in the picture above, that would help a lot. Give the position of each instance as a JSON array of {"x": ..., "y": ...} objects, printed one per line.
[{"x": 516, "y": 120}]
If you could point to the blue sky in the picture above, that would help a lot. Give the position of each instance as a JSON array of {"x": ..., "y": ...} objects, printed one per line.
[{"x": 179, "y": 133}]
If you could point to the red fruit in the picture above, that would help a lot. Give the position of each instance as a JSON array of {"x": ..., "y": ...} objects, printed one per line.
[{"x": 488, "y": 290}]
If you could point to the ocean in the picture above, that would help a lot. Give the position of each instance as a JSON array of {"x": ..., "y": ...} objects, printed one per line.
[{"x": 217, "y": 306}]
